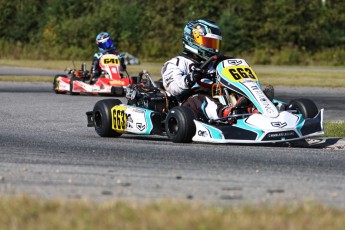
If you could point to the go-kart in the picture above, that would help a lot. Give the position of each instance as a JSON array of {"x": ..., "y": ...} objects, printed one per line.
[
  {"x": 111, "y": 81},
  {"x": 151, "y": 110}
]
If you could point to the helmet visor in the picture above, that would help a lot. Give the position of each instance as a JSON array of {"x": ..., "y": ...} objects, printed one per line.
[
  {"x": 208, "y": 42},
  {"x": 106, "y": 45}
]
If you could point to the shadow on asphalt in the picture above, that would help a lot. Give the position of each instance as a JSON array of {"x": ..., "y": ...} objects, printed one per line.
[{"x": 316, "y": 142}]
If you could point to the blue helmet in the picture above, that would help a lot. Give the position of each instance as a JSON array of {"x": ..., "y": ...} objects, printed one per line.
[
  {"x": 105, "y": 42},
  {"x": 202, "y": 37}
]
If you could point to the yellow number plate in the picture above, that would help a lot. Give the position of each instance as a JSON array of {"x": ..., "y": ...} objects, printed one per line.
[
  {"x": 239, "y": 73},
  {"x": 119, "y": 122},
  {"x": 110, "y": 61}
]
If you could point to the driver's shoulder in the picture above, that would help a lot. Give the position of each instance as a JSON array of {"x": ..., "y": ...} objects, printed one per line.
[
  {"x": 98, "y": 55},
  {"x": 181, "y": 61}
]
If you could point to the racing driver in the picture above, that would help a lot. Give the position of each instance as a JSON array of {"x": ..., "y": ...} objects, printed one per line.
[
  {"x": 201, "y": 40},
  {"x": 105, "y": 45}
]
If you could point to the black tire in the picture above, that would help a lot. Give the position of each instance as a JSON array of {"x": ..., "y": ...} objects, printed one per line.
[
  {"x": 71, "y": 85},
  {"x": 117, "y": 91},
  {"x": 102, "y": 117},
  {"x": 306, "y": 107},
  {"x": 55, "y": 84},
  {"x": 179, "y": 124}
]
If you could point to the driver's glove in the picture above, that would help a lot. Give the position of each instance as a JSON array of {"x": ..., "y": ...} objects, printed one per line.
[{"x": 194, "y": 76}]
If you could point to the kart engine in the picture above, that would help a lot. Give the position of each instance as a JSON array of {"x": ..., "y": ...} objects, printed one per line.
[{"x": 148, "y": 98}]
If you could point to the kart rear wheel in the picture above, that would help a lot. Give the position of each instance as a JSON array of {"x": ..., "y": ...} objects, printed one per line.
[
  {"x": 102, "y": 117},
  {"x": 55, "y": 84},
  {"x": 71, "y": 85},
  {"x": 179, "y": 125},
  {"x": 305, "y": 106},
  {"x": 117, "y": 91}
]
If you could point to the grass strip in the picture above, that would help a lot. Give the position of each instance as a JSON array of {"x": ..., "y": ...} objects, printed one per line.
[
  {"x": 26, "y": 79},
  {"x": 334, "y": 129},
  {"x": 302, "y": 78},
  {"x": 32, "y": 213}
]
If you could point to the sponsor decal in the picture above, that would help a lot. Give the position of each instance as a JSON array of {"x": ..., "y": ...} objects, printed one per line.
[
  {"x": 138, "y": 111},
  {"x": 129, "y": 121},
  {"x": 129, "y": 118},
  {"x": 141, "y": 126},
  {"x": 263, "y": 99},
  {"x": 116, "y": 82},
  {"x": 279, "y": 124},
  {"x": 214, "y": 36},
  {"x": 202, "y": 133},
  {"x": 282, "y": 134},
  {"x": 234, "y": 62}
]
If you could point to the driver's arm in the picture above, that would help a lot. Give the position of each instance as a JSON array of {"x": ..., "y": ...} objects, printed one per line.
[
  {"x": 94, "y": 67},
  {"x": 123, "y": 66},
  {"x": 174, "y": 73}
]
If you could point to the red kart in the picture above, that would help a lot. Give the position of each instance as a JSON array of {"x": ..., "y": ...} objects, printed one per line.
[{"x": 111, "y": 82}]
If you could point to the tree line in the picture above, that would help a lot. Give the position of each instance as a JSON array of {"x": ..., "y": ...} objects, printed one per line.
[{"x": 266, "y": 32}]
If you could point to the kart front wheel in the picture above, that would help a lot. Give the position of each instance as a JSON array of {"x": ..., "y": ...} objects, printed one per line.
[
  {"x": 179, "y": 125},
  {"x": 102, "y": 117},
  {"x": 304, "y": 106}
]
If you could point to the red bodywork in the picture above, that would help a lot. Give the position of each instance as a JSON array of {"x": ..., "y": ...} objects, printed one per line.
[{"x": 111, "y": 81}]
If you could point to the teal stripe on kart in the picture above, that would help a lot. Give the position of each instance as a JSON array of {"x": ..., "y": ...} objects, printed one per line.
[
  {"x": 300, "y": 124},
  {"x": 148, "y": 121},
  {"x": 203, "y": 109},
  {"x": 214, "y": 132},
  {"x": 241, "y": 124},
  {"x": 279, "y": 102}
]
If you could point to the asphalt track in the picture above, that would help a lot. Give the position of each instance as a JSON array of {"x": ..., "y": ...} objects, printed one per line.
[{"x": 46, "y": 150}]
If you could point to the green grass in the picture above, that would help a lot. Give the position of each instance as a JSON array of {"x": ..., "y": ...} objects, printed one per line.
[
  {"x": 320, "y": 78},
  {"x": 26, "y": 79},
  {"x": 335, "y": 129},
  {"x": 32, "y": 213},
  {"x": 49, "y": 64}
]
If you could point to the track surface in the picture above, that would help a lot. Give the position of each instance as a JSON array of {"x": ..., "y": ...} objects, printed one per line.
[{"x": 47, "y": 150}]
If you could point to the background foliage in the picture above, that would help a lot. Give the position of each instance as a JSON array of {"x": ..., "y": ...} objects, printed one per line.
[{"x": 265, "y": 32}]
